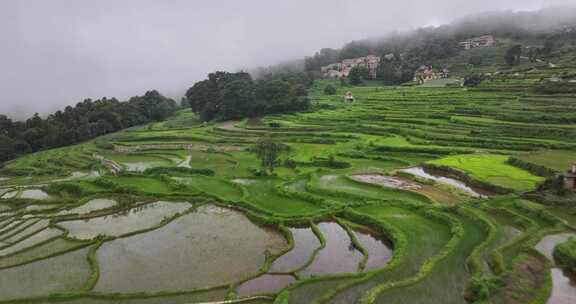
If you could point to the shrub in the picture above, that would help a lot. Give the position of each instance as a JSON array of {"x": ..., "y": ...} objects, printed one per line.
[
  {"x": 482, "y": 288},
  {"x": 178, "y": 170},
  {"x": 475, "y": 60},
  {"x": 565, "y": 255},
  {"x": 329, "y": 90},
  {"x": 530, "y": 167},
  {"x": 72, "y": 189},
  {"x": 550, "y": 87},
  {"x": 105, "y": 183},
  {"x": 473, "y": 80}
]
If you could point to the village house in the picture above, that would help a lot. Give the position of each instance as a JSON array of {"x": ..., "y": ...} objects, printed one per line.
[
  {"x": 339, "y": 70},
  {"x": 331, "y": 67},
  {"x": 426, "y": 73},
  {"x": 348, "y": 97},
  {"x": 476, "y": 42},
  {"x": 570, "y": 178}
]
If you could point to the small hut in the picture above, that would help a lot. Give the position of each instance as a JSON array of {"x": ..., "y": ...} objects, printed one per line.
[
  {"x": 570, "y": 178},
  {"x": 348, "y": 97}
]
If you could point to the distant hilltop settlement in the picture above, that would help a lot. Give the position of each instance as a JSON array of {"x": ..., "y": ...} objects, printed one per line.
[
  {"x": 423, "y": 74},
  {"x": 342, "y": 69}
]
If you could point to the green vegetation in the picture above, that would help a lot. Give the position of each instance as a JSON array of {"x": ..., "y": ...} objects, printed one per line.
[
  {"x": 492, "y": 169},
  {"x": 235, "y": 95},
  {"x": 189, "y": 208},
  {"x": 86, "y": 120},
  {"x": 565, "y": 255}
]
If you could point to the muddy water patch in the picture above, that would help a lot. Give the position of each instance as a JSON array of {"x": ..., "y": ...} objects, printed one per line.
[
  {"x": 265, "y": 284},
  {"x": 379, "y": 249},
  {"x": 32, "y": 241},
  {"x": 305, "y": 243},
  {"x": 135, "y": 219},
  {"x": 213, "y": 296},
  {"x": 25, "y": 230},
  {"x": 4, "y": 208},
  {"x": 34, "y": 194},
  {"x": 10, "y": 194},
  {"x": 329, "y": 178},
  {"x": 547, "y": 244},
  {"x": 244, "y": 181},
  {"x": 9, "y": 226},
  {"x": 422, "y": 173},
  {"x": 6, "y": 220},
  {"x": 186, "y": 162},
  {"x": 209, "y": 247},
  {"x": 386, "y": 181},
  {"x": 65, "y": 273},
  {"x": 339, "y": 255},
  {"x": 91, "y": 206},
  {"x": 39, "y": 207},
  {"x": 563, "y": 287},
  {"x": 138, "y": 166}
]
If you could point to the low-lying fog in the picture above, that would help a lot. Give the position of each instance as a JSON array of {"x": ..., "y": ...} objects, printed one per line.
[{"x": 58, "y": 52}]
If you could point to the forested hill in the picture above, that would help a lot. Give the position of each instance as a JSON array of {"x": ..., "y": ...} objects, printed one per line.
[
  {"x": 86, "y": 120},
  {"x": 430, "y": 44}
]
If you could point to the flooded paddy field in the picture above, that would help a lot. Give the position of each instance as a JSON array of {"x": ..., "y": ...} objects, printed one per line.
[
  {"x": 423, "y": 173},
  {"x": 265, "y": 284},
  {"x": 306, "y": 243},
  {"x": 349, "y": 214},
  {"x": 144, "y": 217},
  {"x": 378, "y": 248},
  {"x": 64, "y": 273},
  {"x": 339, "y": 256},
  {"x": 197, "y": 250},
  {"x": 210, "y": 296},
  {"x": 90, "y": 206},
  {"x": 563, "y": 284}
]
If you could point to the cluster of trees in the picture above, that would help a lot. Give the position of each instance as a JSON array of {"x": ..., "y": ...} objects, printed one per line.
[
  {"x": 396, "y": 69},
  {"x": 86, "y": 120},
  {"x": 473, "y": 80},
  {"x": 269, "y": 152},
  {"x": 513, "y": 55},
  {"x": 326, "y": 56},
  {"x": 358, "y": 75},
  {"x": 559, "y": 87},
  {"x": 226, "y": 95}
]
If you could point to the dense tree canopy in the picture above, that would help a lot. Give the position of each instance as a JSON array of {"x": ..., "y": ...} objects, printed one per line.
[
  {"x": 84, "y": 121},
  {"x": 513, "y": 55},
  {"x": 358, "y": 75},
  {"x": 226, "y": 95},
  {"x": 329, "y": 90}
]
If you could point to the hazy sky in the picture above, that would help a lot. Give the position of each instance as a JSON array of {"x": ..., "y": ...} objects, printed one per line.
[{"x": 58, "y": 52}]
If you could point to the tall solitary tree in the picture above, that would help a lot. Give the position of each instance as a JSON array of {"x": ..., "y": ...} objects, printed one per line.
[
  {"x": 268, "y": 152},
  {"x": 513, "y": 54}
]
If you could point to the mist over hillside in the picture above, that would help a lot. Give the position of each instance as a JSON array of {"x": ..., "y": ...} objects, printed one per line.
[
  {"x": 59, "y": 53},
  {"x": 540, "y": 24}
]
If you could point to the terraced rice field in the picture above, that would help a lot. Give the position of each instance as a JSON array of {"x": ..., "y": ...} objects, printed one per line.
[{"x": 365, "y": 208}]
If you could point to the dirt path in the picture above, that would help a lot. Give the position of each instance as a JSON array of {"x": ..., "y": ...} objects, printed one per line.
[{"x": 230, "y": 125}]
